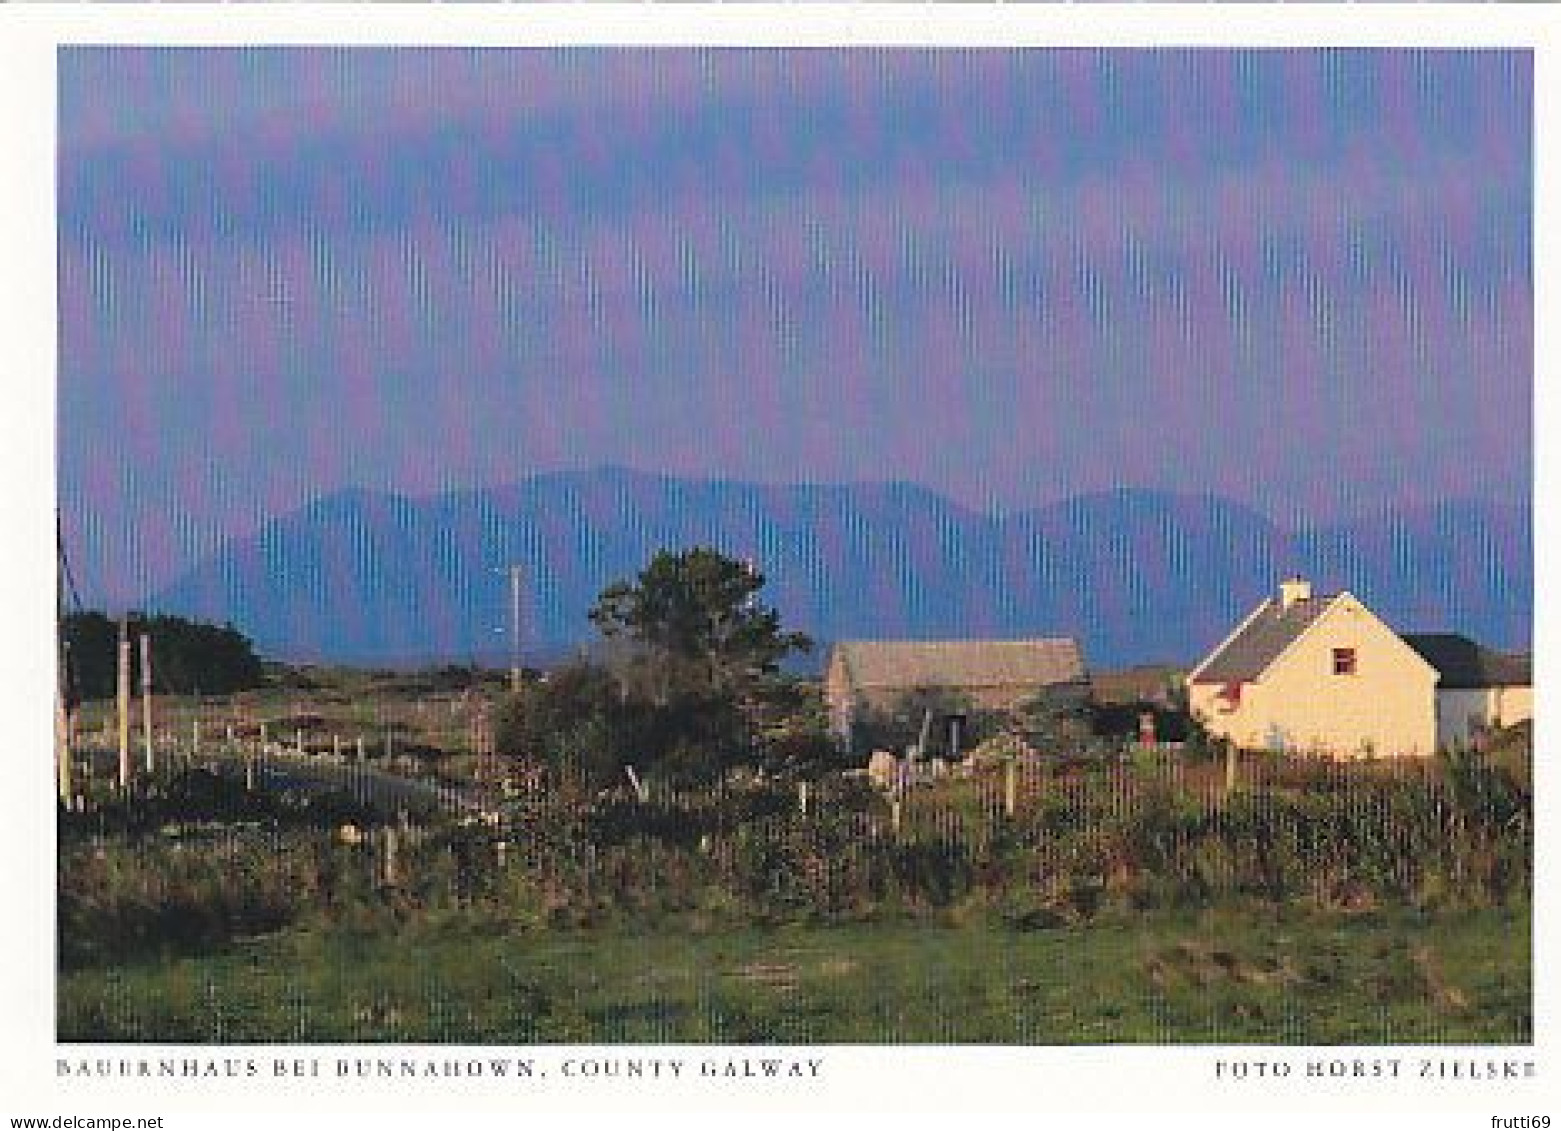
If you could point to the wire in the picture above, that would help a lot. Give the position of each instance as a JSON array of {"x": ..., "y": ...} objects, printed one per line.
[{"x": 70, "y": 577}]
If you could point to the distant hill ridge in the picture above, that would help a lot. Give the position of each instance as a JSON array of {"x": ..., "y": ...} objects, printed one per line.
[{"x": 1137, "y": 575}]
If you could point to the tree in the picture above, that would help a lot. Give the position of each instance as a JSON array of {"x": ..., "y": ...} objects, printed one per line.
[
  {"x": 583, "y": 723},
  {"x": 694, "y": 625},
  {"x": 187, "y": 656},
  {"x": 691, "y": 684},
  {"x": 696, "y": 651},
  {"x": 575, "y": 721}
]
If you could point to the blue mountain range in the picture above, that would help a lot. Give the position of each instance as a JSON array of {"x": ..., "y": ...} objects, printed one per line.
[{"x": 1137, "y": 575}]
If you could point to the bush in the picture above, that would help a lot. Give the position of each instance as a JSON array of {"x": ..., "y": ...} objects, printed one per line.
[
  {"x": 199, "y": 796},
  {"x": 1108, "y": 840}
]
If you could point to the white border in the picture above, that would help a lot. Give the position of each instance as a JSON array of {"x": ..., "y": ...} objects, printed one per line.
[{"x": 1096, "y": 1081}]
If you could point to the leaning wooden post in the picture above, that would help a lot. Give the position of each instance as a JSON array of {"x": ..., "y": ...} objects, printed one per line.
[
  {"x": 124, "y": 706},
  {"x": 62, "y": 744},
  {"x": 62, "y": 734}
]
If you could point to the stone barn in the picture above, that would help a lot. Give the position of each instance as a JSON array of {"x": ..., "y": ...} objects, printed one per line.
[{"x": 996, "y": 675}]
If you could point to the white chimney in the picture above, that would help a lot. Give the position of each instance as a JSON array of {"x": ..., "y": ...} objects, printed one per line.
[{"x": 1294, "y": 589}]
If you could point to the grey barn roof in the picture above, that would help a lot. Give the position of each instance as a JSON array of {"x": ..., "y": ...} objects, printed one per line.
[
  {"x": 961, "y": 663},
  {"x": 1260, "y": 641},
  {"x": 1465, "y": 665}
]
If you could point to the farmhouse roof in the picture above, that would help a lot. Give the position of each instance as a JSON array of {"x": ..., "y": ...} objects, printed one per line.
[
  {"x": 1464, "y": 664},
  {"x": 961, "y": 663},
  {"x": 1271, "y": 629}
]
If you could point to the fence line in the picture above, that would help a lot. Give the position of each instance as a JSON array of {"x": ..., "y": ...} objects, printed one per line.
[{"x": 835, "y": 826}]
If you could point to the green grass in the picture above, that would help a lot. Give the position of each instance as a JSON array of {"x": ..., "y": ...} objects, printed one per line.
[
  {"x": 347, "y": 704},
  {"x": 1226, "y": 976}
]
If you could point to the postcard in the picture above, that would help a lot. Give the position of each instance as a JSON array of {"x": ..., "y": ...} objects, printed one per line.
[{"x": 852, "y": 557}]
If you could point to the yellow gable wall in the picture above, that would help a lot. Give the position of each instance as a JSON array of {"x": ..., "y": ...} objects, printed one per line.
[
  {"x": 1203, "y": 701},
  {"x": 1387, "y": 707}
]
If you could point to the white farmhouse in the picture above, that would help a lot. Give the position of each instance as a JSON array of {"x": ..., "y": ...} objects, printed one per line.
[
  {"x": 1480, "y": 689},
  {"x": 1317, "y": 674}
]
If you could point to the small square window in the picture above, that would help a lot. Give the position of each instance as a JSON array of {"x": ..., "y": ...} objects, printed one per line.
[{"x": 1344, "y": 661}]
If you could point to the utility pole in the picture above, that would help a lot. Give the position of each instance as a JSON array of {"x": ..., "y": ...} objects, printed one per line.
[
  {"x": 751, "y": 601},
  {"x": 146, "y": 699},
  {"x": 514, "y": 628},
  {"x": 124, "y": 705}
]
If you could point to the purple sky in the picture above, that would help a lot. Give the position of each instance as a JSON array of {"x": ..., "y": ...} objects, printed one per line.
[{"x": 1300, "y": 279}]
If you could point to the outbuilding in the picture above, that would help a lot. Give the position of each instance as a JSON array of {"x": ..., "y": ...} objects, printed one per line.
[
  {"x": 1479, "y": 689},
  {"x": 995, "y": 675}
]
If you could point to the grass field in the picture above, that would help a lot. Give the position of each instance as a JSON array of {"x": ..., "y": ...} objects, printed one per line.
[
  {"x": 409, "y": 721},
  {"x": 1224, "y": 976},
  {"x": 1142, "y": 899}
]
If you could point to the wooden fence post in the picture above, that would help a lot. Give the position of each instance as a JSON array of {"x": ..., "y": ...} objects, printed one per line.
[
  {"x": 1230, "y": 769},
  {"x": 1010, "y": 788},
  {"x": 124, "y": 706},
  {"x": 146, "y": 702},
  {"x": 390, "y": 873}
]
